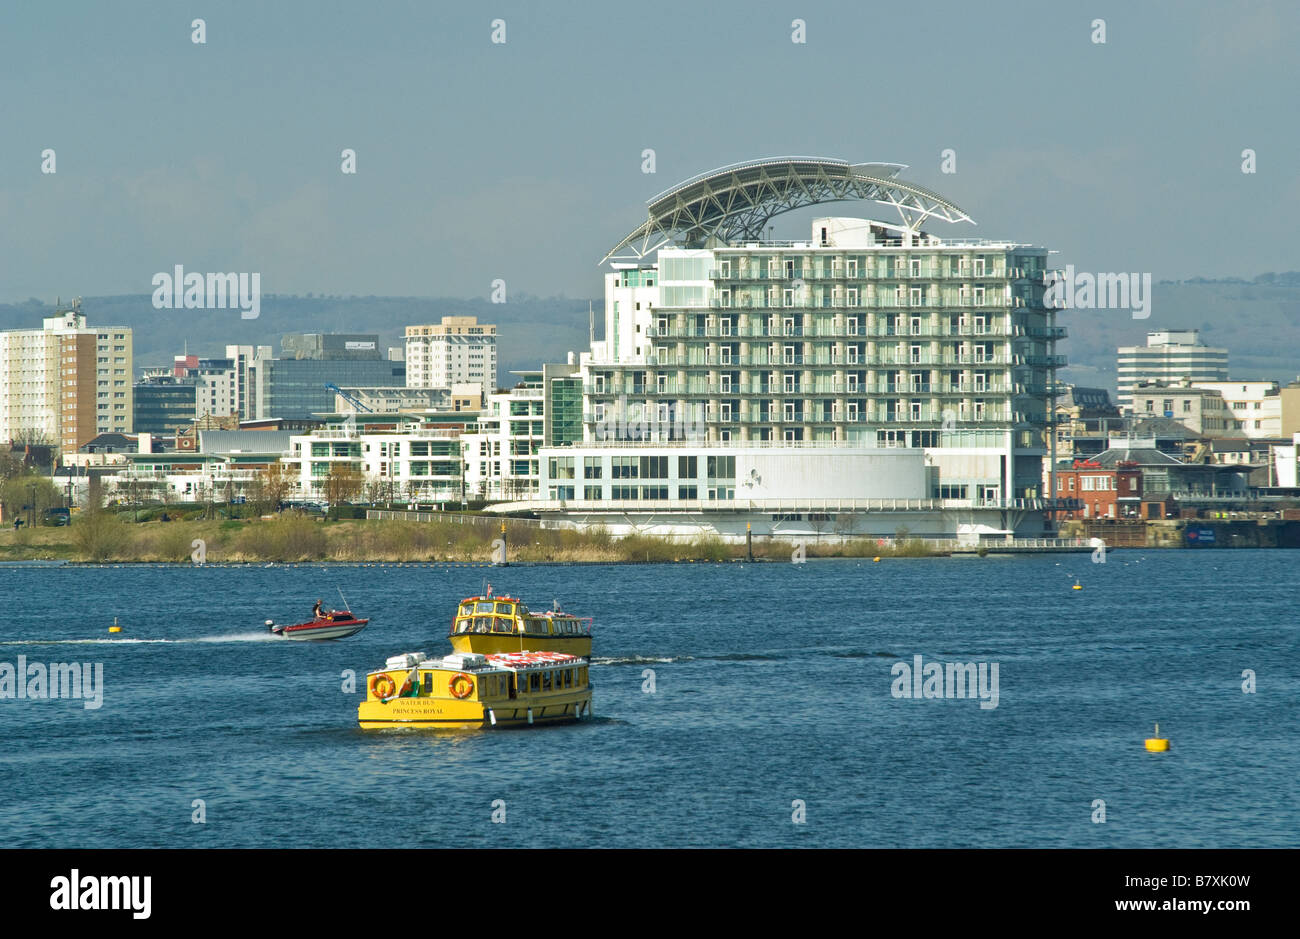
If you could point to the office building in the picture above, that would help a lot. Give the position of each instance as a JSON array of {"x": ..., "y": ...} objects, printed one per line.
[{"x": 1170, "y": 356}]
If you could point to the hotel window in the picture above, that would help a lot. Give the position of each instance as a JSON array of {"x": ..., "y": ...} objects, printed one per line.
[
  {"x": 851, "y": 265},
  {"x": 915, "y": 355},
  {"x": 851, "y": 327},
  {"x": 916, "y": 267},
  {"x": 851, "y": 409},
  {"x": 851, "y": 352},
  {"x": 916, "y": 296},
  {"x": 724, "y": 298},
  {"x": 1187, "y": 407},
  {"x": 787, "y": 355},
  {"x": 591, "y": 493},
  {"x": 979, "y": 296},
  {"x": 788, "y": 410},
  {"x": 851, "y": 382},
  {"x": 851, "y": 296},
  {"x": 787, "y": 297},
  {"x": 979, "y": 267}
]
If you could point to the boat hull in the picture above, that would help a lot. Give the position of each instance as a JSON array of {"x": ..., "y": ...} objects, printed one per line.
[
  {"x": 321, "y": 629},
  {"x": 451, "y": 714}
]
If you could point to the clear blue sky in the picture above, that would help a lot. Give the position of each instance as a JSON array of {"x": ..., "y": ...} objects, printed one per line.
[{"x": 523, "y": 160}]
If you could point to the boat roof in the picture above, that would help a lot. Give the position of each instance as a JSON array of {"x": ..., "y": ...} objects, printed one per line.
[
  {"x": 504, "y": 599},
  {"x": 532, "y": 659}
]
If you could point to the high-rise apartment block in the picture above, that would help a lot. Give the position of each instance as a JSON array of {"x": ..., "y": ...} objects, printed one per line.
[
  {"x": 65, "y": 382},
  {"x": 459, "y": 349}
]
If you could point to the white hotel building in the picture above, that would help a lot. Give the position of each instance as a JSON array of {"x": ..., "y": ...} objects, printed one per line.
[{"x": 871, "y": 377}]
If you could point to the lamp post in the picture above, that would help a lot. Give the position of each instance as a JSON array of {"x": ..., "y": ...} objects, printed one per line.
[{"x": 31, "y": 523}]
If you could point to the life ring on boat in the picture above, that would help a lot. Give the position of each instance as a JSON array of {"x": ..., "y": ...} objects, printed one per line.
[
  {"x": 381, "y": 686},
  {"x": 461, "y": 685}
]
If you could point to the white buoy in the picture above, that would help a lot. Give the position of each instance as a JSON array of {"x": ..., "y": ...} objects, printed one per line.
[
  {"x": 530, "y": 715},
  {"x": 492, "y": 717}
]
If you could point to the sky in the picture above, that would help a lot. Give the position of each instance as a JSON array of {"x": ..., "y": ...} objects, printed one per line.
[{"x": 523, "y": 160}]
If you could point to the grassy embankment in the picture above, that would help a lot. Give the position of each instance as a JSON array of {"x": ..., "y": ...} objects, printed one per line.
[{"x": 107, "y": 537}]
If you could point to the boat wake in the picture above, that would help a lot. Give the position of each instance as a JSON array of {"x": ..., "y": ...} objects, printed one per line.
[
  {"x": 236, "y": 637},
  {"x": 671, "y": 659}
]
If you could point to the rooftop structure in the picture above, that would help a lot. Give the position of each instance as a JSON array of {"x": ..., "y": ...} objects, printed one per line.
[{"x": 734, "y": 203}]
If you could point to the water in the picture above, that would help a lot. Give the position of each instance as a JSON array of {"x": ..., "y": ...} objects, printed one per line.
[{"x": 772, "y": 684}]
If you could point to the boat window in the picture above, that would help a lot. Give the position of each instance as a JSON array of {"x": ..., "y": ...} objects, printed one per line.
[
  {"x": 501, "y": 625},
  {"x": 546, "y": 681},
  {"x": 462, "y": 626},
  {"x": 505, "y": 609},
  {"x": 568, "y": 678},
  {"x": 428, "y": 682},
  {"x": 483, "y": 607},
  {"x": 466, "y": 609},
  {"x": 534, "y": 682},
  {"x": 482, "y": 624}
]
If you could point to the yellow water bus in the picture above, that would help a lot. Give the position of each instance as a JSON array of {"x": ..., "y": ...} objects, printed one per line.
[
  {"x": 489, "y": 625},
  {"x": 469, "y": 691}
]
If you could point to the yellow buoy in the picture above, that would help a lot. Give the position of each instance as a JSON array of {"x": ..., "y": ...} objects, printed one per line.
[
  {"x": 875, "y": 560},
  {"x": 1077, "y": 585},
  {"x": 1157, "y": 744},
  {"x": 115, "y": 629}
]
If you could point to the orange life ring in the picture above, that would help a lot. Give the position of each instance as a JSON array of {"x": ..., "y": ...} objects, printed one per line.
[
  {"x": 381, "y": 686},
  {"x": 461, "y": 685}
]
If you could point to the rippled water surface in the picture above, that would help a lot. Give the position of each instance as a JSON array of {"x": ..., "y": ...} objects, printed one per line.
[{"x": 772, "y": 683}]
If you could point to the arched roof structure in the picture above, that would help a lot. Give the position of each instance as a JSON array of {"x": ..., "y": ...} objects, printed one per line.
[{"x": 735, "y": 203}]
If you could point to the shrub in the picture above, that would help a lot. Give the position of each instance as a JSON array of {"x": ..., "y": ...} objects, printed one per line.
[{"x": 101, "y": 535}]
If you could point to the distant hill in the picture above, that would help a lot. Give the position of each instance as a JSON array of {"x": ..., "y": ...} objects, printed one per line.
[
  {"x": 531, "y": 330},
  {"x": 1257, "y": 320}
]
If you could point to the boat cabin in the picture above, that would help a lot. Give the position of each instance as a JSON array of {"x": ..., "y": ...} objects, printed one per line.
[{"x": 508, "y": 615}]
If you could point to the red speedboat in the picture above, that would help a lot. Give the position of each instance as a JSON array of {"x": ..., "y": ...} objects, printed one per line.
[{"x": 337, "y": 624}]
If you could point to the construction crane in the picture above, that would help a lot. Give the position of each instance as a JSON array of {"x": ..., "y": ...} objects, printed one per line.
[{"x": 348, "y": 397}]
